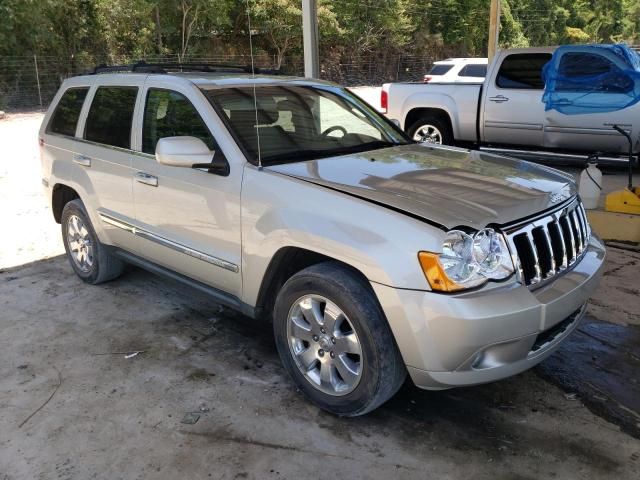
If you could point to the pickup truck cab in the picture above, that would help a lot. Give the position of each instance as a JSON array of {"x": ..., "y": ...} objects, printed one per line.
[
  {"x": 506, "y": 112},
  {"x": 291, "y": 200}
]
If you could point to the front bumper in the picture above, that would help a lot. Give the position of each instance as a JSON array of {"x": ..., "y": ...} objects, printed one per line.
[{"x": 477, "y": 337}]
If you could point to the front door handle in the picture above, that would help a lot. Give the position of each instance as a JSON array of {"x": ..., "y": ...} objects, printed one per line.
[
  {"x": 499, "y": 99},
  {"x": 147, "y": 179},
  {"x": 82, "y": 160}
]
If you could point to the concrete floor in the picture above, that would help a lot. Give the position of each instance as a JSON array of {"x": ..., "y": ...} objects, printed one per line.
[{"x": 576, "y": 416}]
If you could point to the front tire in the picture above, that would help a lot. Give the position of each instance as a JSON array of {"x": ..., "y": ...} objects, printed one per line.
[
  {"x": 89, "y": 258},
  {"x": 335, "y": 342}
]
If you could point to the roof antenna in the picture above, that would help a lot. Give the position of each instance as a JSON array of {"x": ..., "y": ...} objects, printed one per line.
[{"x": 253, "y": 75}]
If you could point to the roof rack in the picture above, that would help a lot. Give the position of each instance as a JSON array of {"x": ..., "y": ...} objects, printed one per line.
[{"x": 144, "y": 67}]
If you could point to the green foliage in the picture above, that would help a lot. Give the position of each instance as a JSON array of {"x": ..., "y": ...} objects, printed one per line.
[{"x": 106, "y": 30}]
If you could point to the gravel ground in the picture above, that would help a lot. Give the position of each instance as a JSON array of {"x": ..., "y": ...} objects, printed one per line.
[{"x": 63, "y": 346}]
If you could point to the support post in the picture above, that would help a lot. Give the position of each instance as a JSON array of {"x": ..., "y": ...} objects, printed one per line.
[
  {"x": 310, "y": 38},
  {"x": 35, "y": 62},
  {"x": 494, "y": 29}
]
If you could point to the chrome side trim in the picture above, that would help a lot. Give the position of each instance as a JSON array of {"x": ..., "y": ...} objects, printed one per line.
[
  {"x": 218, "y": 262},
  {"x": 117, "y": 223},
  {"x": 512, "y": 125}
]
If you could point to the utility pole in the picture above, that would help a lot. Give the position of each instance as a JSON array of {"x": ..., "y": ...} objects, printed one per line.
[
  {"x": 310, "y": 38},
  {"x": 494, "y": 29}
]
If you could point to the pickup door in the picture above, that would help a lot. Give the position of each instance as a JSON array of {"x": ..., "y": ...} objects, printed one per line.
[
  {"x": 513, "y": 109},
  {"x": 589, "y": 131}
]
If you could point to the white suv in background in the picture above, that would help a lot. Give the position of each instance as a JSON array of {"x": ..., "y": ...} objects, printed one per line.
[{"x": 458, "y": 70}]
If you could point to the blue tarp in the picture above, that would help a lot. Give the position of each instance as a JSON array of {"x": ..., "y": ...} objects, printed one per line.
[{"x": 583, "y": 79}]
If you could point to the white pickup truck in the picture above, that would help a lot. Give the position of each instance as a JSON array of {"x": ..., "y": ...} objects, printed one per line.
[{"x": 506, "y": 113}]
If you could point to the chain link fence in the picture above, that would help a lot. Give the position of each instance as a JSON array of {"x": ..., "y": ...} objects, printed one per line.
[{"x": 29, "y": 82}]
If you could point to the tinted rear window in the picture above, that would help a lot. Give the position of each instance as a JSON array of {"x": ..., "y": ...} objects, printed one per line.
[
  {"x": 65, "y": 117},
  {"x": 110, "y": 116},
  {"x": 522, "y": 70},
  {"x": 473, "y": 71},
  {"x": 440, "y": 69},
  {"x": 582, "y": 64}
]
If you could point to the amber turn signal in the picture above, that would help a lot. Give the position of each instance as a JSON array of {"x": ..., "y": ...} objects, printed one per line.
[{"x": 435, "y": 274}]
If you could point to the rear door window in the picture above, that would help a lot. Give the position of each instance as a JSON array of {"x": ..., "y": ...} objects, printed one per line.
[
  {"x": 171, "y": 114},
  {"x": 473, "y": 71},
  {"x": 589, "y": 72},
  {"x": 65, "y": 116},
  {"x": 582, "y": 64},
  {"x": 440, "y": 69},
  {"x": 522, "y": 71},
  {"x": 111, "y": 115}
]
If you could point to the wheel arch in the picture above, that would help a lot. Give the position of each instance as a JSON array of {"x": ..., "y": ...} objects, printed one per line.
[
  {"x": 60, "y": 196},
  {"x": 285, "y": 263},
  {"x": 416, "y": 113}
]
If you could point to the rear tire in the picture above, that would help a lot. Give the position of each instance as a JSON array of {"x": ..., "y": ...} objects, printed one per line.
[
  {"x": 344, "y": 359},
  {"x": 431, "y": 128},
  {"x": 90, "y": 259}
]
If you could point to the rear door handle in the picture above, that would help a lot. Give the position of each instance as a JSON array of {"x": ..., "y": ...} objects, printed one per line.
[
  {"x": 82, "y": 160},
  {"x": 499, "y": 99},
  {"x": 147, "y": 179}
]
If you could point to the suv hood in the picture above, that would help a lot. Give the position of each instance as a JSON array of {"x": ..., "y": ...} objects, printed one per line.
[{"x": 449, "y": 186}]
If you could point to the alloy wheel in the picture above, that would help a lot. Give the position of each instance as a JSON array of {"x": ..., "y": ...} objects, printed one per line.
[
  {"x": 80, "y": 243},
  {"x": 324, "y": 345},
  {"x": 428, "y": 134}
]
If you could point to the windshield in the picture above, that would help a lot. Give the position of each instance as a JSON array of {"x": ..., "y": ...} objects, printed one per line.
[{"x": 295, "y": 123}]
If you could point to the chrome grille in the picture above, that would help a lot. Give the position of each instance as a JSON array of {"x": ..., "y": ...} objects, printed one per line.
[{"x": 545, "y": 247}]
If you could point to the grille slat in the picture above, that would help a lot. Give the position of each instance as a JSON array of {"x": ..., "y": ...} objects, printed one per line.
[
  {"x": 536, "y": 260},
  {"x": 548, "y": 245},
  {"x": 576, "y": 231},
  {"x": 545, "y": 252}
]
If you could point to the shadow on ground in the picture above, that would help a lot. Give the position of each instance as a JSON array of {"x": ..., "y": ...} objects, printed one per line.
[{"x": 134, "y": 417}]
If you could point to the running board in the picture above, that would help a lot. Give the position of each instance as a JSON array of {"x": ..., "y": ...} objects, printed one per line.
[
  {"x": 218, "y": 296},
  {"x": 544, "y": 156}
]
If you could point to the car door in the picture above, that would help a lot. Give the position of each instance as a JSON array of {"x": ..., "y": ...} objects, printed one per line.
[
  {"x": 513, "y": 109},
  {"x": 104, "y": 156},
  {"x": 590, "y": 131},
  {"x": 187, "y": 220}
]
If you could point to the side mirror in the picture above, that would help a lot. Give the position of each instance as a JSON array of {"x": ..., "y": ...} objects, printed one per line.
[
  {"x": 396, "y": 122},
  {"x": 189, "y": 152},
  {"x": 182, "y": 151}
]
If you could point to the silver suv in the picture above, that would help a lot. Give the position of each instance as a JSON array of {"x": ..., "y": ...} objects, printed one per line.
[{"x": 292, "y": 200}]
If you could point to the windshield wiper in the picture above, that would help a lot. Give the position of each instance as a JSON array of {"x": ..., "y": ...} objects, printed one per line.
[{"x": 312, "y": 154}]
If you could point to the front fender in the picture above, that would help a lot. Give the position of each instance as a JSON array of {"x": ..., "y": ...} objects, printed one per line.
[{"x": 280, "y": 211}]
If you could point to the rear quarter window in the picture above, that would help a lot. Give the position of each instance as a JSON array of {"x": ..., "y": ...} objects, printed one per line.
[
  {"x": 111, "y": 115},
  {"x": 65, "y": 116},
  {"x": 473, "y": 71},
  {"x": 522, "y": 71},
  {"x": 440, "y": 69}
]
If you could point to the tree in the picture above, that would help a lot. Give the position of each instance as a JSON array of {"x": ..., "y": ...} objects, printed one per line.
[{"x": 280, "y": 21}]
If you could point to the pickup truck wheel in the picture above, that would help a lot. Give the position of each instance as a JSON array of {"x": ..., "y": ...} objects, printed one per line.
[
  {"x": 431, "y": 129},
  {"x": 335, "y": 342},
  {"x": 90, "y": 259}
]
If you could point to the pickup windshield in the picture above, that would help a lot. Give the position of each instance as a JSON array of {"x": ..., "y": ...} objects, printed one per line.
[{"x": 289, "y": 123}]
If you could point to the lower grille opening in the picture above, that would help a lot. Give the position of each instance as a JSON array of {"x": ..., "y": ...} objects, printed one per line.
[{"x": 554, "y": 332}]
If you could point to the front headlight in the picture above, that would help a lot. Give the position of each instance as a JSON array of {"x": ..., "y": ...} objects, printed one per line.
[{"x": 467, "y": 260}]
